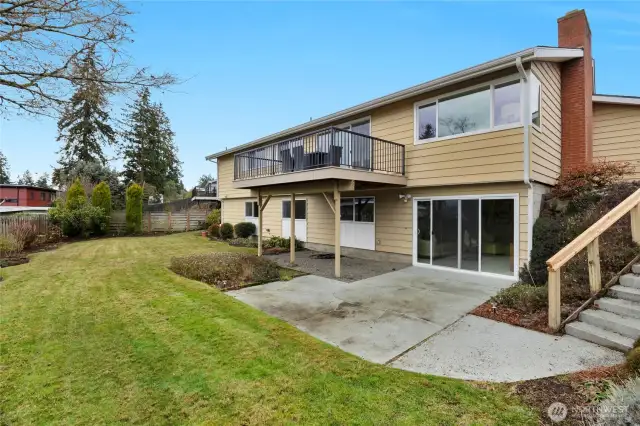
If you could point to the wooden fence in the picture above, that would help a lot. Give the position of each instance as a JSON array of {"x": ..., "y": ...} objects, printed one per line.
[
  {"x": 39, "y": 221},
  {"x": 161, "y": 222}
]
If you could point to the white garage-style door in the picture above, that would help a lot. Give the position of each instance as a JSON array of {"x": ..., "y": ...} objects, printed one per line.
[
  {"x": 357, "y": 223},
  {"x": 300, "y": 219}
]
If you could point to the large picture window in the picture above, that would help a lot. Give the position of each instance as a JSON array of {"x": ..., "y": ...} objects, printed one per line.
[
  {"x": 251, "y": 209},
  {"x": 483, "y": 108}
]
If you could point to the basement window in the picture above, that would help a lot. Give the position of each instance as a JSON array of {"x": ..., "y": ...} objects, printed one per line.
[{"x": 251, "y": 209}]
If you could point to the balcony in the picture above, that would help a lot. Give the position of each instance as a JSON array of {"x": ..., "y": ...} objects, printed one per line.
[{"x": 330, "y": 153}]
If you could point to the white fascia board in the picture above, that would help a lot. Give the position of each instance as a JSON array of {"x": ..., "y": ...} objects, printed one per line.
[
  {"x": 620, "y": 100},
  {"x": 556, "y": 54}
]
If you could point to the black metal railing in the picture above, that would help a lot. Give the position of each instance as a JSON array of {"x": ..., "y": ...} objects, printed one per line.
[
  {"x": 209, "y": 191},
  {"x": 323, "y": 148}
]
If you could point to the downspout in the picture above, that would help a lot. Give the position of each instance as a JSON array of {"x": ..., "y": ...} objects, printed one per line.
[{"x": 527, "y": 154}]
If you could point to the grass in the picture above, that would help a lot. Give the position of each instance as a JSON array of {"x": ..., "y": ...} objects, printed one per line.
[{"x": 101, "y": 332}]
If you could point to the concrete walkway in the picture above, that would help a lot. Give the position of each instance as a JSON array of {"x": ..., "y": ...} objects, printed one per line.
[
  {"x": 416, "y": 321},
  {"x": 477, "y": 348}
]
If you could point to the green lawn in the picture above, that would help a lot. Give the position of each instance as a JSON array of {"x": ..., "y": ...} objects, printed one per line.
[{"x": 100, "y": 332}]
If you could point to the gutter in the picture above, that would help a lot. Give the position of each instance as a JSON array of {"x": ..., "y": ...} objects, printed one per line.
[{"x": 534, "y": 53}]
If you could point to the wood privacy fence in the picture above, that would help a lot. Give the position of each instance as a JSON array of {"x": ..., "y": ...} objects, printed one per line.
[
  {"x": 161, "y": 222},
  {"x": 39, "y": 221}
]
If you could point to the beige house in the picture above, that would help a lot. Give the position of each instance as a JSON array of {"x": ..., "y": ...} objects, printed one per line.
[{"x": 448, "y": 174}]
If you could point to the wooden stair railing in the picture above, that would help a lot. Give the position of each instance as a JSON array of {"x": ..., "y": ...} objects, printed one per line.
[{"x": 589, "y": 240}]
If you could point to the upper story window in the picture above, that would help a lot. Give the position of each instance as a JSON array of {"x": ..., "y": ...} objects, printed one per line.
[
  {"x": 495, "y": 105},
  {"x": 535, "y": 99},
  {"x": 42, "y": 195}
]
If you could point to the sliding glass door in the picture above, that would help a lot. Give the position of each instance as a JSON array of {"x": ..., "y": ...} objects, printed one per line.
[{"x": 469, "y": 233}]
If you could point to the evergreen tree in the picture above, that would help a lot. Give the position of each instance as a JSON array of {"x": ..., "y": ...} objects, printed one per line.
[
  {"x": 43, "y": 181},
  {"x": 5, "y": 176},
  {"x": 26, "y": 179},
  {"x": 150, "y": 155},
  {"x": 83, "y": 127}
]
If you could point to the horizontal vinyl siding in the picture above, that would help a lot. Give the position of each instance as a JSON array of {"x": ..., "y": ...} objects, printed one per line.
[
  {"x": 320, "y": 219},
  {"x": 394, "y": 217},
  {"x": 488, "y": 157},
  {"x": 616, "y": 134},
  {"x": 225, "y": 180},
  {"x": 233, "y": 213},
  {"x": 546, "y": 145}
]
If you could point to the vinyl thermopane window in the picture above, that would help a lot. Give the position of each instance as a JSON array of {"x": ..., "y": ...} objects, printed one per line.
[
  {"x": 535, "y": 98},
  {"x": 251, "y": 209},
  {"x": 483, "y": 108}
]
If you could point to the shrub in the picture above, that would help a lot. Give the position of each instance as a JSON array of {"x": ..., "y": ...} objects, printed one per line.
[
  {"x": 82, "y": 221},
  {"x": 627, "y": 395},
  {"x": 226, "y": 231},
  {"x": 548, "y": 238},
  {"x": 24, "y": 234},
  {"x": 9, "y": 246},
  {"x": 245, "y": 229},
  {"x": 226, "y": 270},
  {"x": 134, "y": 209},
  {"x": 589, "y": 178},
  {"x": 633, "y": 360},
  {"x": 76, "y": 196},
  {"x": 280, "y": 242},
  {"x": 523, "y": 297},
  {"x": 101, "y": 198},
  {"x": 213, "y": 218},
  {"x": 214, "y": 230},
  {"x": 243, "y": 242}
]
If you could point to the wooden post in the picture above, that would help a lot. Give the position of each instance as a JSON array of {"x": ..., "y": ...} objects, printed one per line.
[
  {"x": 593, "y": 255},
  {"x": 635, "y": 224},
  {"x": 148, "y": 220},
  {"x": 188, "y": 220},
  {"x": 292, "y": 245},
  {"x": 169, "y": 220},
  {"x": 259, "y": 223},
  {"x": 554, "y": 299},
  {"x": 336, "y": 230}
]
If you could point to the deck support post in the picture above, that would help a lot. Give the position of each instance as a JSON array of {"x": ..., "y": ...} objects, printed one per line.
[
  {"x": 635, "y": 224},
  {"x": 292, "y": 235},
  {"x": 259, "y": 223},
  {"x": 554, "y": 299},
  {"x": 593, "y": 258},
  {"x": 336, "y": 230}
]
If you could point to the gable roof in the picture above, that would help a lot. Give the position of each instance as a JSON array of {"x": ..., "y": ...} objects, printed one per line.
[{"x": 539, "y": 53}]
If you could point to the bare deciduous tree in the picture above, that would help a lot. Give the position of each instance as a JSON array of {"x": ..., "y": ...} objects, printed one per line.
[{"x": 41, "y": 40}]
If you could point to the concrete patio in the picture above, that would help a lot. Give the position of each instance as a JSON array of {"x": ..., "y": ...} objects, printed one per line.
[{"x": 417, "y": 320}]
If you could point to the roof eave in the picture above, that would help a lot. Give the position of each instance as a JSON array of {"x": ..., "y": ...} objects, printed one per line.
[
  {"x": 552, "y": 54},
  {"x": 617, "y": 99}
]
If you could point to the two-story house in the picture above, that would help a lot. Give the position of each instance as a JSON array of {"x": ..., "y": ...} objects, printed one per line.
[{"x": 448, "y": 174}]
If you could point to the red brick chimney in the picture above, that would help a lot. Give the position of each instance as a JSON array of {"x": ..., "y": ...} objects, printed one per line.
[{"x": 577, "y": 90}]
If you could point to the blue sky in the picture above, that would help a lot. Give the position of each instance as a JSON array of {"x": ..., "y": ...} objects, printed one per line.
[{"x": 251, "y": 69}]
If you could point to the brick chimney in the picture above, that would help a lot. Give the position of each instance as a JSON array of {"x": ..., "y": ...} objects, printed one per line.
[{"x": 577, "y": 91}]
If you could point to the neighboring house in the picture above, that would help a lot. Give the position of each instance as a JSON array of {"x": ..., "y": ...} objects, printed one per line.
[
  {"x": 22, "y": 210},
  {"x": 26, "y": 195},
  {"x": 208, "y": 192},
  {"x": 446, "y": 174}
]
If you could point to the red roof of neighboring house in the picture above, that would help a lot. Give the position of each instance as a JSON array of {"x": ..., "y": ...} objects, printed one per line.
[{"x": 15, "y": 185}]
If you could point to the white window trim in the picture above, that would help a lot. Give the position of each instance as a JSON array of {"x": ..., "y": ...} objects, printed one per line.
[
  {"x": 353, "y": 217},
  {"x": 306, "y": 208},
  {"x": 252, "y": 205},
  {"x": 516, "y": 232},
  {"x": 491, "y": 84},
  {"x": 541, "y": 93},
  {"x": 348, "y": 124}
]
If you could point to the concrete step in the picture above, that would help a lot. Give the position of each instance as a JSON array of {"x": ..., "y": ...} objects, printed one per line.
[
  {"x": 629, "y": 327},
  {"x": 619, "y": 306},
  {"x": 627, "y": 293},
  {"x": 630, "y": 280},
  {"x": 636, "y": 268},
  {"x": 599, "y": 336}
]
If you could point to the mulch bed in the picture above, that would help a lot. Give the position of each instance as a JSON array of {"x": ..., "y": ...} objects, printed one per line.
[
  {"x": 576, "y": 391},
  {"x": 534, "y": 321},
  {"x": 13, "y": 261}
]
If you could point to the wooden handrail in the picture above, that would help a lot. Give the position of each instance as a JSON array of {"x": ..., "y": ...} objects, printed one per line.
[
  {"x": 594, "y": 231},
  {"x": 589, "y": 240}
]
